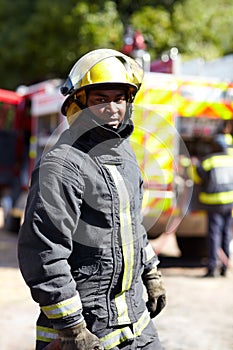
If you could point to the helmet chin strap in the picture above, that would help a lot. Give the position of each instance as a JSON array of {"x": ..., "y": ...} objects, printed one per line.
[{"x": 81, "y": 105}]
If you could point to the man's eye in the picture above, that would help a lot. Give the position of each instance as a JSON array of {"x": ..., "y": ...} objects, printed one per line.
[
  {"x": 101, "y": 100},
  {"x": 120, "y": 99}
]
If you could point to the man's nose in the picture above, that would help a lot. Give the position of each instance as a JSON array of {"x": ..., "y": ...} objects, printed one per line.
[{"x": 111, "y": 106}]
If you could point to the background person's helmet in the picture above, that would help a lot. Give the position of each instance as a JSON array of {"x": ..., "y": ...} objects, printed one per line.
[
  {"x": 104, "y": 68},
  {"x": 219, "y": 143}
]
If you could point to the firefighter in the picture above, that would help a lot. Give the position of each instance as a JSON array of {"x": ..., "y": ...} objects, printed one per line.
[
  {"x": 215, "y": 176},
  {"x": 82, "y": 248}
]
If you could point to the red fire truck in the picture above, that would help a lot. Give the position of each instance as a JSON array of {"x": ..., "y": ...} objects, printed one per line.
[
  {"x": 23, "y": 136},
  {"x": 181, "y": 113}
]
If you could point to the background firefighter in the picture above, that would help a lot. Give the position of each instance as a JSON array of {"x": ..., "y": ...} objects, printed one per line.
[
  {"x": 214, "y": 174},
  {"x": 82, "y": 248}
]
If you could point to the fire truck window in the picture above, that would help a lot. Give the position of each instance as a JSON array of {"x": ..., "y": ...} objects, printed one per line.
[
  {"x": 197, "y": 134},
  {"x": 201, "y": 93},
  {"x": 229, "y": 95},
  {"x": 7, "y": 113}
]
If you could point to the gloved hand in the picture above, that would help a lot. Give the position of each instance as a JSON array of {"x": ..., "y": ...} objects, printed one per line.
[
  {"x": 156, "y": 292},
  {"x": 78, "y": 338}
]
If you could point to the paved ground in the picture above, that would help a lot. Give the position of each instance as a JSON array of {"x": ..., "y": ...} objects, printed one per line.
[
  {"x": 17, "y": 310},
  {"x": 198, "y": 316}
]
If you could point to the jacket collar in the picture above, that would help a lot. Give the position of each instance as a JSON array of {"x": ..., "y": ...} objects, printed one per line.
[{"x": 88, "y": 134}]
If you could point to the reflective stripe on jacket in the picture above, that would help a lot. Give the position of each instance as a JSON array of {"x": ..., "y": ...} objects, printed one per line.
[{"x": 216, "y": 174}]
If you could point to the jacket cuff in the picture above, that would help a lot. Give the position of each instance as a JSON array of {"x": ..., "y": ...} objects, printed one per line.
[
  {"x": 66, "y": 313},
  {"x": 150, "y": 258}
]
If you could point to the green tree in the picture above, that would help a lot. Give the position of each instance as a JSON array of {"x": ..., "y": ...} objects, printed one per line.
[
  {"x": 155, "y": 24},
  {"x": 55, "y": 35},
  {"x": 204, "y": 28},
  {"x": 197, "y": 28},
  {"x": 41, "y": 39},
  {"x": 13, "y": 16}
]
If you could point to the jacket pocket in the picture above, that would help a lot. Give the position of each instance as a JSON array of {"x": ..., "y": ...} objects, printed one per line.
[{"x": 89, "y": 268}]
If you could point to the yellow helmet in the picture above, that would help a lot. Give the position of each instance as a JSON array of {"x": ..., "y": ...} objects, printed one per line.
[{"x": 102, "y": 67}]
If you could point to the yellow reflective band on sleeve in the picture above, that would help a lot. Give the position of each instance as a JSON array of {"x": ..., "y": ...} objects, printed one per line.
[
  {"x": 118, "y": 336},
  {"x": 46, "y": 334},
  {"x": 216, "y": 198},
  {"x": 127, "y": 244},
  {"x": 149, "y": 252},
  {"x": 141, "y": 324},
  {"x": 64, "y": 308},
  {"x": 217, "y": 161}
]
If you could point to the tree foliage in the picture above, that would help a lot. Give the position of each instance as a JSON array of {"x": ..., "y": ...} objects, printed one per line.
[
  {"x": 53, "y": 36},
  {"x": 41, "y": 39},
  {"x": 197, "y": 28},
  {"x": 204, "y": 29}
]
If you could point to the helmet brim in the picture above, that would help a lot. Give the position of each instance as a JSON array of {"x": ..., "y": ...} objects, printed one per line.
[{"x": 130, "y": 89}]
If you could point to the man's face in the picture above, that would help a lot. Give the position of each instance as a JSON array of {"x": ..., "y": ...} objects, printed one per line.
[{"x": 109, "y": 106}]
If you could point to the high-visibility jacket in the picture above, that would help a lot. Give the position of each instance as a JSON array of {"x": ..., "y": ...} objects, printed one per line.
[
  {"x": 82, "y": 247},
  {"x": 215, "y": 176}
]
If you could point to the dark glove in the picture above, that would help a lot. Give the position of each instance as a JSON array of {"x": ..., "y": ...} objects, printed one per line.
[
  {"x": 78, "y": 338},
  {"x": 156, "y": 292}
]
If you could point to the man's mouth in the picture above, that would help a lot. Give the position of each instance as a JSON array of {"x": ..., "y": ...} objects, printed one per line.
[{"x": 112, "y": 121}]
